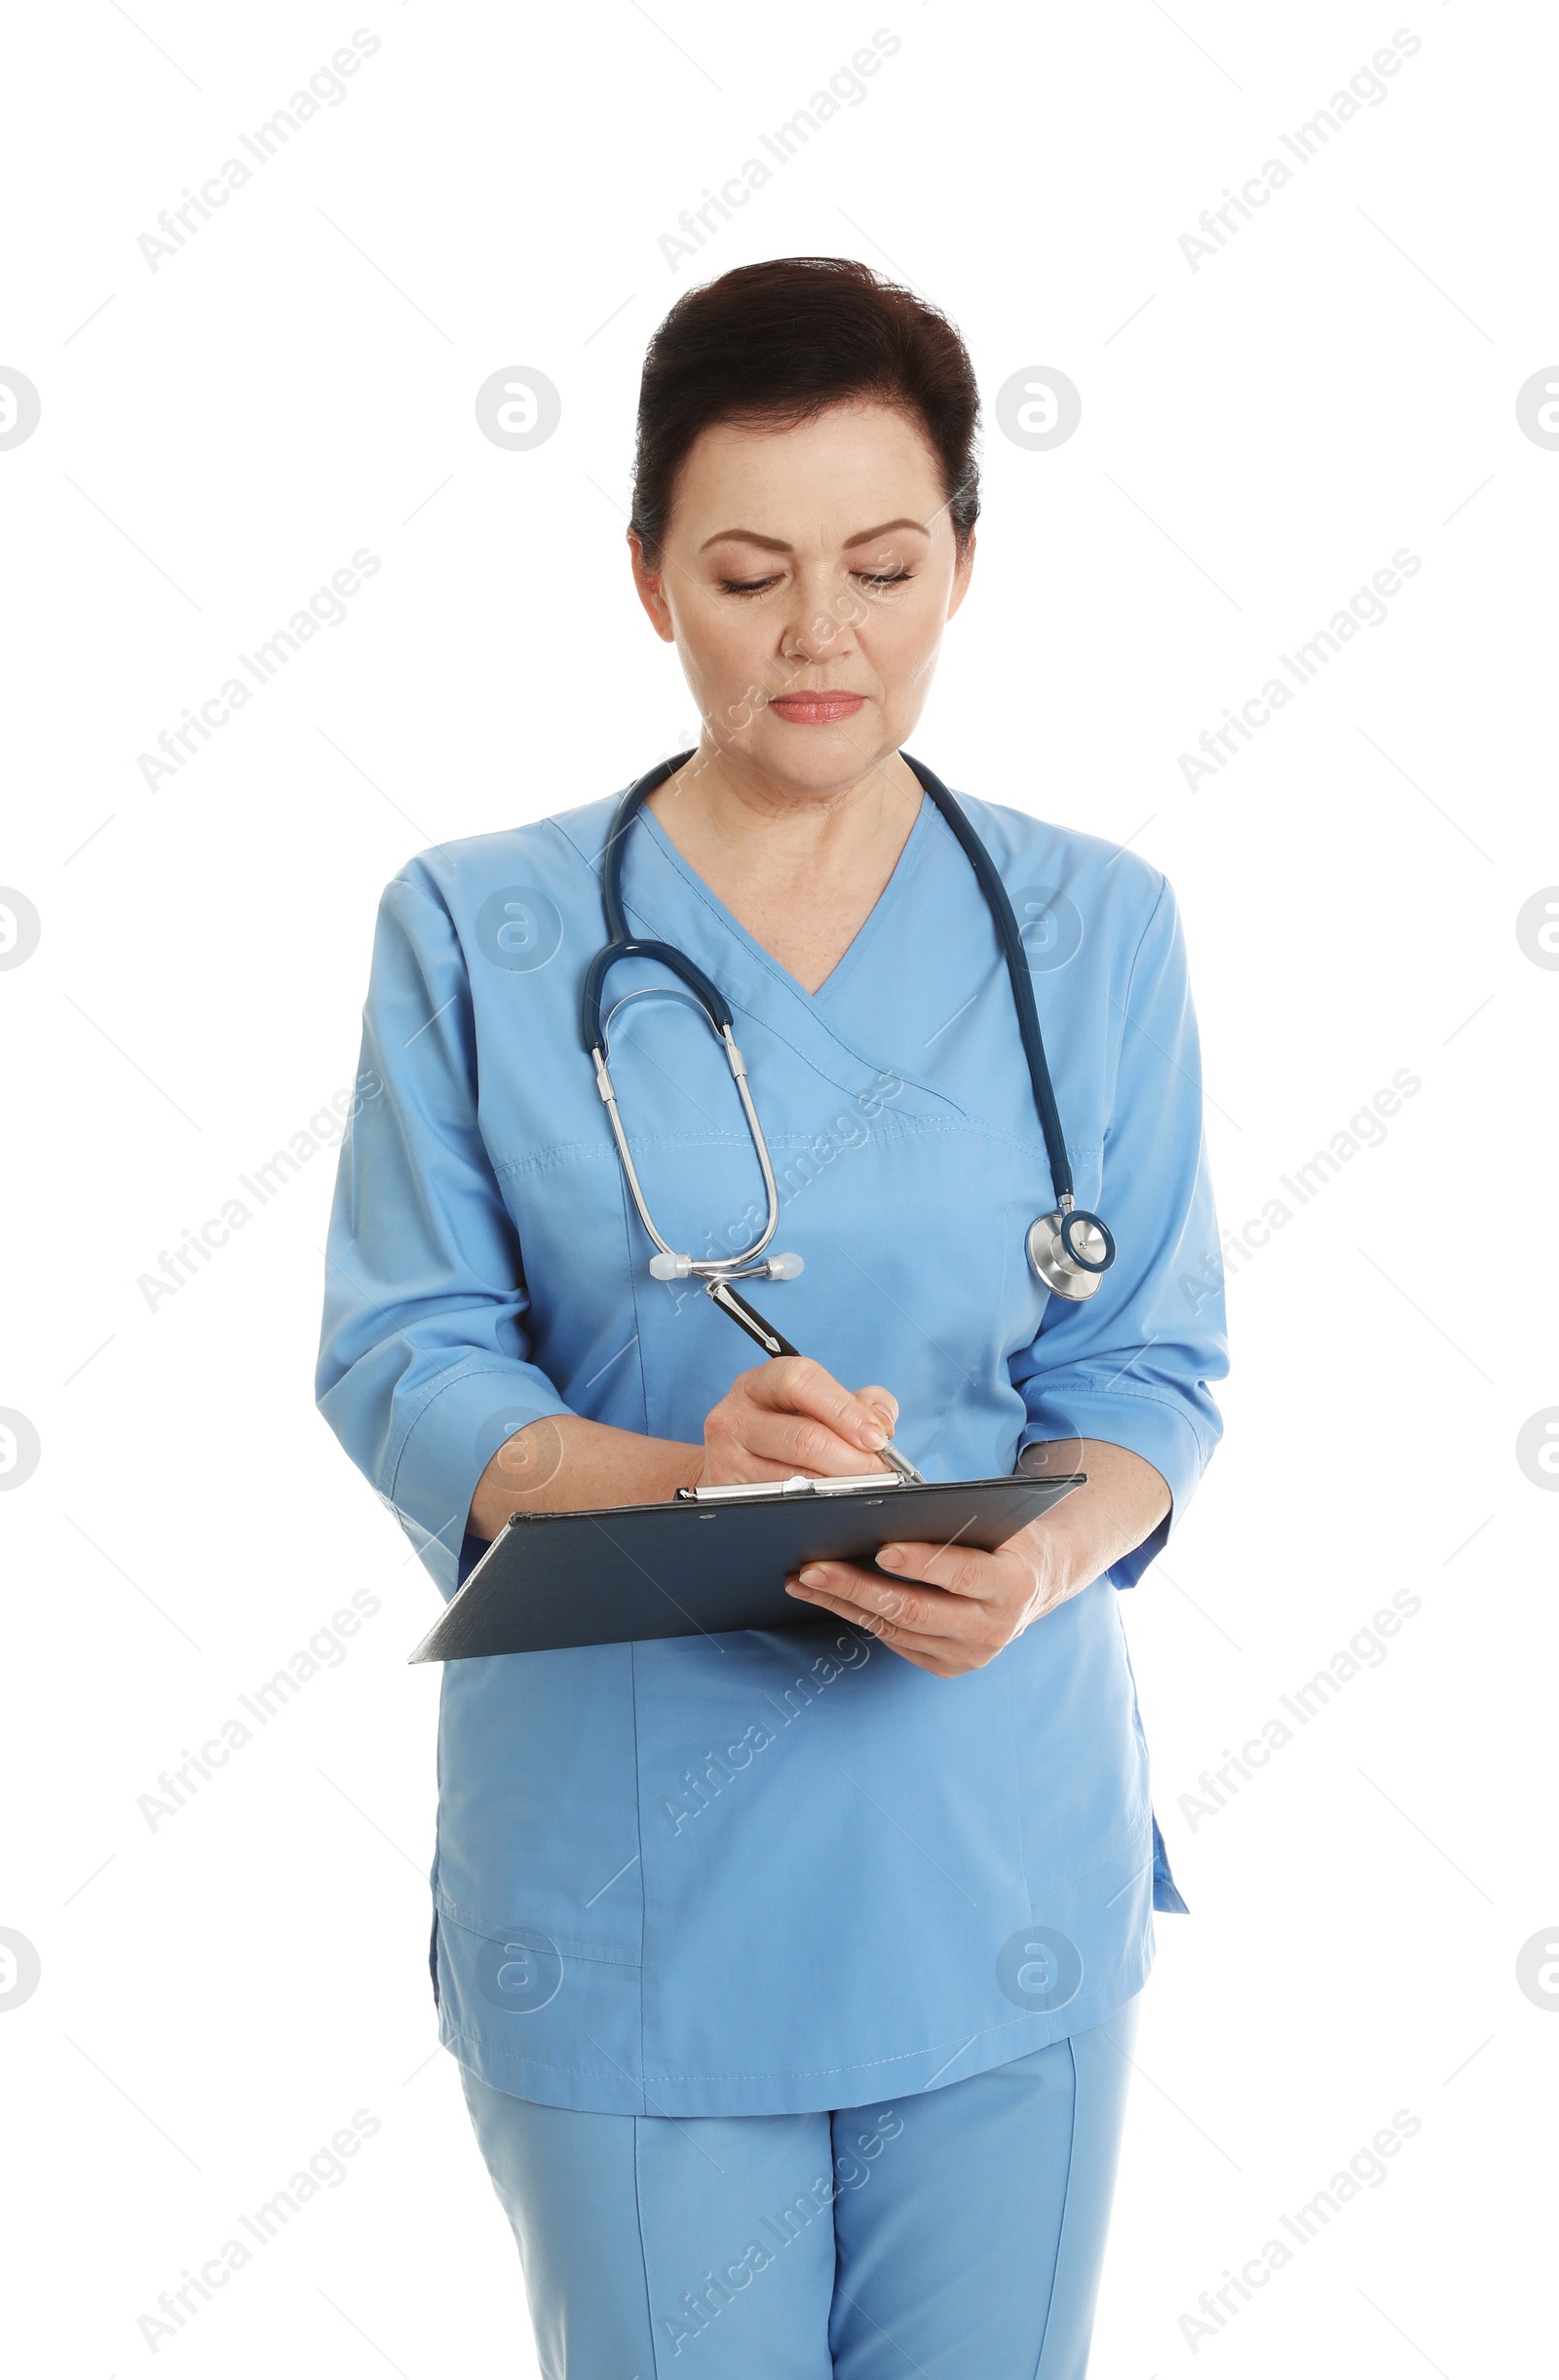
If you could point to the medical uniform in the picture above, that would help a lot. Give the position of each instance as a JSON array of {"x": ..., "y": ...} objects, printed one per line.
[{"x": 776, "y": 1873}]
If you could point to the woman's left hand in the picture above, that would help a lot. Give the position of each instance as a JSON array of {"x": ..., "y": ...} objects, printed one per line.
[{"x": 952, "y": 1608}]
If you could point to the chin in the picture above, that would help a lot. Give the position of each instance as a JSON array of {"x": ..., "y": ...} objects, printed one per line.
[{"x": 817, "y": 759}]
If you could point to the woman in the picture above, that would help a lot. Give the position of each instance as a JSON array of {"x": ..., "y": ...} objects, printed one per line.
[{"x": 793, "y": 1974}]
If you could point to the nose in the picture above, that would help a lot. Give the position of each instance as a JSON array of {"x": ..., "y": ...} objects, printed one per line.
[{"x": 822, "y": 626}]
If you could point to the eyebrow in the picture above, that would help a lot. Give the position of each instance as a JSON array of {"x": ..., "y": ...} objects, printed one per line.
[{"x": 777, "y": 545}]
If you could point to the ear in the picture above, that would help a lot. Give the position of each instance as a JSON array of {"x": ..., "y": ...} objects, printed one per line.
[
  {"x": 647, "y": 581},
  {"x": 963, "y": 571}
]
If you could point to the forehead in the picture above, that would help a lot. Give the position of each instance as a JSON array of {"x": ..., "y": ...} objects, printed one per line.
[{"x": 850, "y": 467}]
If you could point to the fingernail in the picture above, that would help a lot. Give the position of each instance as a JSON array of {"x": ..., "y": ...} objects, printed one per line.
[
  {"x": 873, "y": 1435},
  {"x": 814, "y": 1579},
  {"x": 891, "y": 1556}
]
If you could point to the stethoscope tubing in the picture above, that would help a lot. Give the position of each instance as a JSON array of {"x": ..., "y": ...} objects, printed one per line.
[
  {"x": 1073, "y": 1274},
  {"x": 1005, "y": 920},
  {"x": 620, "y": 944}
]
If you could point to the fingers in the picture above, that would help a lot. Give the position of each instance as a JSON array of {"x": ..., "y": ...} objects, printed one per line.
[
  {"x": 790, "y": 1415},
  {"x": 945, "y": 1656},
  {"x": 956, "y": 1606},
  {"x": 885, "y": 1401},
  {"x": 794, "y": 1384},
  {"x": 920, "y": 1611},
  {"x": 956, "y": 1570},
  {"x": 757, "y": 1442}
]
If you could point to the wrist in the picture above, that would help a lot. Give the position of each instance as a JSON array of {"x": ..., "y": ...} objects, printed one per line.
[{"x": 1072, "y": 1546}]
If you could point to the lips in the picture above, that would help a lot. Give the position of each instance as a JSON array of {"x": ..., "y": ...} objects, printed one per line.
[{"x": 818, "y": 709}]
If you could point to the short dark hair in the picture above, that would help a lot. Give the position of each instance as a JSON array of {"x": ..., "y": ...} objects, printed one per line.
[{"x": 777, "y": 343}]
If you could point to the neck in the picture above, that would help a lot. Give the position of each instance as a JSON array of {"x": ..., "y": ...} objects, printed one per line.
[{"x": 717, "y": 800}]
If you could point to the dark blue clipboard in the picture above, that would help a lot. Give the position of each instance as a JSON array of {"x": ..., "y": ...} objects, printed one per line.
[{"x": 702, "y": 1565}]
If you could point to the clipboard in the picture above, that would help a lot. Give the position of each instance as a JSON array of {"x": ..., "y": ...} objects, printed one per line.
[{"x": 709, "y": 1560}]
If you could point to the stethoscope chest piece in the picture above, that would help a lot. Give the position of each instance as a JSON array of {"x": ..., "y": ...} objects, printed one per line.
[{"x": 1070, "y": 1251}]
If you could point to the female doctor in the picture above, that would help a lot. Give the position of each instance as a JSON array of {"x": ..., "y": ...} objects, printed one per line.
[{"x": 793, "y": 1974}]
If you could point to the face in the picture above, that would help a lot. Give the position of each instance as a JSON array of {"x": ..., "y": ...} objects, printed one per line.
[{"x": 805, "y": 578}]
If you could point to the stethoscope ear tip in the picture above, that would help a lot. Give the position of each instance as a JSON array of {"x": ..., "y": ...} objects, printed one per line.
[{"x": 664, "y": 1267}]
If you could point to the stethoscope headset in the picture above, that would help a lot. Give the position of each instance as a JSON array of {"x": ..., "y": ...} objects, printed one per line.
[{"x": 1069, "y": 1250}]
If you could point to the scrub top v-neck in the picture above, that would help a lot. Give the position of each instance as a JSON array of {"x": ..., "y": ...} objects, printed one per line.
[
  {"x": 776, "y": 1870},
  {"x": 871, "y": 926}
]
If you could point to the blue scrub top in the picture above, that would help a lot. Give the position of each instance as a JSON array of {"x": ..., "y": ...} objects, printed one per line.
[{"x": 774, "y": 1872}]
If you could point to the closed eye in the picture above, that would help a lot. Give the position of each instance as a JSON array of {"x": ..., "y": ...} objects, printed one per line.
[{"x": 864, "y": 578}]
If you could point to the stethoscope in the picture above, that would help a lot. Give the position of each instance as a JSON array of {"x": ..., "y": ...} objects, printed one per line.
[{"x": 1069, "y": 1249}]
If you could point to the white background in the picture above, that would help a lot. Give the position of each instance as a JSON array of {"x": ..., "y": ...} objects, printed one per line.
[{"x": 1259, "y": 435}]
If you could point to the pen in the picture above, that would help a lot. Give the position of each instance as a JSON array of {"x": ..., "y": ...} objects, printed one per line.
[{"x": 772, "y": 1344}]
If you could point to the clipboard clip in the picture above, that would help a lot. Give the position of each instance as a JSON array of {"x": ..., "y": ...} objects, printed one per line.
[{"x": 798, "y": 1484}]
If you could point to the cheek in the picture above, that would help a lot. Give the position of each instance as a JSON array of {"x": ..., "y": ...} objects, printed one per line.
[
  {"x": 902, "y": 643},
  {"x": 725, "y": 653}
]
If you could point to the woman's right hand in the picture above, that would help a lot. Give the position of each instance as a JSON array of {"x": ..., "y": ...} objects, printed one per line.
[{"x": 790, "y": 1415}]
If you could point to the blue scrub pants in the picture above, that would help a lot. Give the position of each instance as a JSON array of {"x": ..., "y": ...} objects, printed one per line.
[{"x": 951, "y": 2233}]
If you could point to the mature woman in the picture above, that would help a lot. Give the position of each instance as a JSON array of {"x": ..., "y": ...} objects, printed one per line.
[{"x": 793, "y": 1974}]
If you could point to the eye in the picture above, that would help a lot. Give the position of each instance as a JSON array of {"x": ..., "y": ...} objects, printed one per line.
[
  {"x": 883, "y": 578},
  {"x": 747, "y": 586}
]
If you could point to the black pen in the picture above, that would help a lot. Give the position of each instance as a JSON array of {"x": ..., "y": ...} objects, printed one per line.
[{"x": 768, "y": 1340}]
